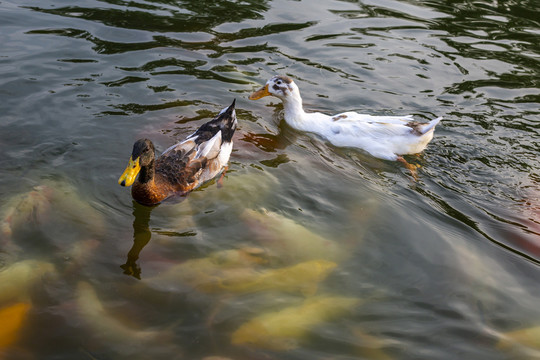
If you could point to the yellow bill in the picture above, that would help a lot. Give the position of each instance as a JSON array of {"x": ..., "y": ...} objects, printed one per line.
[
  {"x": 131, "y": 172},
  {"x": 262, "y": 92}
]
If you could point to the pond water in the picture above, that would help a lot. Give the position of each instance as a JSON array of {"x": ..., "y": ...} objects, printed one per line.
[{"x": 306, "y": 251}]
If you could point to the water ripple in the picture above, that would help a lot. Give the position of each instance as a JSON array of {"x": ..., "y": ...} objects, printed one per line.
[{"x": 81, "y": 81}]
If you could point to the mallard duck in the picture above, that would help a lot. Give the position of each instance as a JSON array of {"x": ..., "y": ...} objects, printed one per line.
[
  {"x": 385, "y": 137},
  {"x": 184, "y": 166}
]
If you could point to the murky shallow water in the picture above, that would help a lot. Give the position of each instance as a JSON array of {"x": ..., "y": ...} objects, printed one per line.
[{"x": 444, "y": 267}]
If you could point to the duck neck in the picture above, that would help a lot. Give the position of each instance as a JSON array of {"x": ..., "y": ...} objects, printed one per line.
[
  {"x": 294, "y": 111},
  {"x": 147, "y": 172}
]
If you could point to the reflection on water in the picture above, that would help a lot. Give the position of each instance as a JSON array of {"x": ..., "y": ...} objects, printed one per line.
[
  {"x": 179, "y": 16},
  {"x": 141, "y": 237},
  {"x": 446, "y": 265}
]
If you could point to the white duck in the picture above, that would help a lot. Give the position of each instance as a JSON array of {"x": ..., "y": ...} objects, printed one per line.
[{"x": 385, "y": 137}]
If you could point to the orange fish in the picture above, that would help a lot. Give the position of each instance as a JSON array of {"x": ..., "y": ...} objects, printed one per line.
[{"x": 12, "y": 318}]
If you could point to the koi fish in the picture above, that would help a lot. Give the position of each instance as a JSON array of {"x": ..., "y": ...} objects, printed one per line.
[
  {"x": 125, "y": 339},
  {"x": 31, "y": 208},
  {"x": 529, "y": 337},
  {"x": 289, "y": 241},
  {"x": 12, "y": 318},
  {"x": 17, "y": 280},
  {"x": 208, "y": 270},
  {"x": 303, "y": 277},
  {"x": 286, "y": 328}
]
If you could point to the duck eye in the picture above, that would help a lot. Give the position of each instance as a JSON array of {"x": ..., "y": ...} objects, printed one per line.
[{"x": 278, "y": 82}]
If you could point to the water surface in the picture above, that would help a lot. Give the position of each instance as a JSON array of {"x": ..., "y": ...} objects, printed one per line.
[{"x": 445, "y": 265}]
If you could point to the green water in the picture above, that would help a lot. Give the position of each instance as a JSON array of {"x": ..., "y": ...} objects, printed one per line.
[{"x": 445, "y": 265}]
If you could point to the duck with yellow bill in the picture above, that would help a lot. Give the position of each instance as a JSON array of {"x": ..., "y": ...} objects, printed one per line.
[{"x": 184, "y": 166}]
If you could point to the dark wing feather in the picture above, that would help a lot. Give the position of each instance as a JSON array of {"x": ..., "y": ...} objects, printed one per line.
[
  {"x": 225, "y": 122},
  {"x": 173, "y": 162},
  {"x": 181, "y": 171},
  {"x": 180, "y": 164}
]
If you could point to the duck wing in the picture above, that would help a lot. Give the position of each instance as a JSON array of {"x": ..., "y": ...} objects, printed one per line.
[
  {"x": 354, "y": 117},
  {"x": 208, "y": 139},
  {"x": 225, "y": 122},
  {"x": 179, "y": 163},
  {"x": 352, "y": 122},
  {"x": 184, "y": 162}
]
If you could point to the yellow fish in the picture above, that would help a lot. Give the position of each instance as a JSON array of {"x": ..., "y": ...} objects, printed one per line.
[
  {"x": 368, "y": 346},
  {"x": 245, "y": 188},
  {"x": 72, "y": 207},
  {"x": 303, "y": 277},
  {"x": 34, "y": 209},
  {"x": 289, "y": 241},
  {"x": 198, "y": 273},
  {"x": 95, "y": 316},
  {"x": 246, "y": 256},
  {"x": 528, "y": 337},
  {"x": 127, "y": 340},
  {"x": 17, "y": 279},
  {"x": 12, "y": 318},
  {"x": 284, "y": 329},
  {"x": 26, "y": 210}
]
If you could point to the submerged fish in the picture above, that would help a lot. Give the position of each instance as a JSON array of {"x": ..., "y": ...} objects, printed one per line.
[
  {"x": 75, "y": 208},
  {"x": 243, "y": 188},
  {"x": 26, "y": 210},
  {"x": 234, "y": 271},
  {"x": 304, "y": 277},
  {"x": 17, "y": 280},
  {"x": 12, "y": 318},
  {"x": 368, "y": 346},
  {"x": 246, "y": 256},
  {"x": 198, "y": 272},
  {"x": 284, "y": 329},
  {"x": 78, "y": 254},
  {"x": 110, "y": 330},
  {"x": 93, "y": 312},
  {"x": 289, "y": 241},
  {"x": 529, "y": 337},
  {"x": 54, "y": 209}
]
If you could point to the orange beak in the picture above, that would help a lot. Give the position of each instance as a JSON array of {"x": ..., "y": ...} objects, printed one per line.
[{"x": 262, "y": 92}]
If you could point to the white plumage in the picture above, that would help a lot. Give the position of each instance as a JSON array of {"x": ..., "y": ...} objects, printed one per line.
[{"x": 385, "y": 137}]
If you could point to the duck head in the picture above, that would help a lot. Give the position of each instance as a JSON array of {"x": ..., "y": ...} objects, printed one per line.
[
  {"x": 142, "y": 158},
  {"x": 279, "y": 86}
]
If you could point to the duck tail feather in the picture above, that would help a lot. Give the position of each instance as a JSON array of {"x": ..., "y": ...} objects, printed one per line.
[
  {"x": 228, "y": 122},
  {"x": 225, "y": 122},
  {"x": 430, "y": 125}
]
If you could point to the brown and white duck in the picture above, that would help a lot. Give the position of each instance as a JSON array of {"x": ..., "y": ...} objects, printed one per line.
[{"x": 183, "y": 167}]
